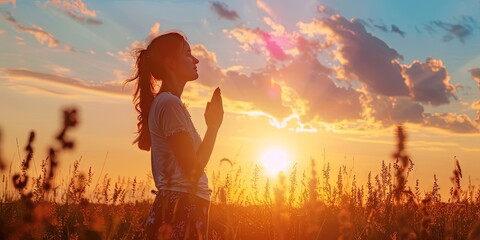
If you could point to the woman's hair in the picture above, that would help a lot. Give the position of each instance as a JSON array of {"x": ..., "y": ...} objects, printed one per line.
[{"x": 150, "y": 65}]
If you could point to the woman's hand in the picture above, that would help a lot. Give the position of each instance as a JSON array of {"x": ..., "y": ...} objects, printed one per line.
[{"x": 214, "y": 111}]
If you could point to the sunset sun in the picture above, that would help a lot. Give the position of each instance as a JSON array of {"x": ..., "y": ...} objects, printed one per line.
[{"x": 274, "y": 161}]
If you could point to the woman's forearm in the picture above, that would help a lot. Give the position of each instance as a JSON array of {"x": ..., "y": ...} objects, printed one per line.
[{"x": 205, "y": 149}]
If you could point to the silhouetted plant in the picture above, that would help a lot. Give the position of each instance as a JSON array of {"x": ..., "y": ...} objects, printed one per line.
[
  {"x": 402, "y": 164},
  {"x": 2, "y": 162}
]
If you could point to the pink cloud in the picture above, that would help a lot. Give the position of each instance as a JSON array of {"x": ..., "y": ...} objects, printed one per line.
[{"x": 260, "y": 41}]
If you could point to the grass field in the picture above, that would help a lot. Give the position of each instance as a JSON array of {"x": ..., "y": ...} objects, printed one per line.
[{"x": 302, "y": 205}]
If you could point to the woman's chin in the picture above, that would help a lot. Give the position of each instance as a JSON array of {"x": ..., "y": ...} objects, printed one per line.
[{"x": 194, "y": 77}]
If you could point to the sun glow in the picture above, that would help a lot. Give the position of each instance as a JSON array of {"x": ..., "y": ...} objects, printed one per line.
[{"x": 274, "y": 161}]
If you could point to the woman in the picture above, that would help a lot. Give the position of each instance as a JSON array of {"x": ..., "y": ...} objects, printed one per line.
[{"x": 178, "y": 154}]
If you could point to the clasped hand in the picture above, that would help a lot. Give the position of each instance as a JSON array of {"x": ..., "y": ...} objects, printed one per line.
[{"x": 214, "y": 111}]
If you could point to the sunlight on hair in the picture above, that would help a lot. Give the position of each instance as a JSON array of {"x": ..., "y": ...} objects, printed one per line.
[{"x": 274, "y": 161}]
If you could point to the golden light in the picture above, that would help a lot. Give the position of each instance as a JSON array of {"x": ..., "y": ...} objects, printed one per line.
[{"x": 274, "y": 161}]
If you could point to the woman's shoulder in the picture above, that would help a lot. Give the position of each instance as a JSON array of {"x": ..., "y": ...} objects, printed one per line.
[{"x": 166, "y": 98}]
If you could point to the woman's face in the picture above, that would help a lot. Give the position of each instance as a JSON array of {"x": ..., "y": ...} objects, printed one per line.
[{"x": 185, "y": 67}]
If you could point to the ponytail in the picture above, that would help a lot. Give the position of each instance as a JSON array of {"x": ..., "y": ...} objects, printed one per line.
[
  {"x": 150, "y": 65},
  {"x": 143, "y": 98}
]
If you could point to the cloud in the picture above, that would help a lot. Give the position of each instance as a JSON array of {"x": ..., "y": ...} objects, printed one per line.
[
  {"x": 264, "y": 7},
  {"x": 77, "y": 10},
  {"x": 82, "y": 19},
  {"x": 2, "y": 31},
  {"x": 58, "y": 69},
  {"x": 154, "y": 31},
  {"x": 362, "y": 55},
  {"x": 395, "y": 29},
  {"x": 326, "y": 10},
  {"x": 459, "y": 123},
  {"x": 475, "y": 72},
  {"x": 13, "y": 2},
  {"x": 221, "y": 9},
  {"x": 475, "y": 105},
  {"x": 323, "y": 98},
  {"x": 107, "y": 87},
  {"x": 429, "y": 82},
  {"x": 209, "y": 72},
  {"x": 42, "y": 36},
  {"x": 461, "y": 29},
  {"x": 260, "y": 41},
  {"x": 128, "y": 54},
  {"x": 301, "y": 87},
  {"x": 367, "y": 82},
  {"x": 381, "y": 26},
  {"x": 390, "y": 111}
]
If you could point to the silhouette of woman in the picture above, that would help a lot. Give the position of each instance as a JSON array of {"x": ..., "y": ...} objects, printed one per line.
[{"x": 178, "y": 154}]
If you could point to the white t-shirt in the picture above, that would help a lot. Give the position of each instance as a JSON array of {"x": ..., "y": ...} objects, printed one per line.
[{"x": 167, "y": 116}]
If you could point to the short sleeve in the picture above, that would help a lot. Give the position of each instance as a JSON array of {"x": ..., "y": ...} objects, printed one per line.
[{"x": 173, "y": 118}]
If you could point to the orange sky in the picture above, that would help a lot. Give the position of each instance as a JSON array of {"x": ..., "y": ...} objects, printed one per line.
[{"x": 330, "y": 80}]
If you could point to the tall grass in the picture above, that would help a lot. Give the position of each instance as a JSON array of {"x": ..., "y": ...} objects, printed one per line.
[{"x": 311, "y": 204}]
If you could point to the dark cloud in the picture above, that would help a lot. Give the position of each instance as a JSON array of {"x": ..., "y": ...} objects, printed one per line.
[
  {"x": 82, "y": 19},
  {"x": 429, "y": 82},
  {"x": 372, "y": 24},
  {"x": 395, "y": 29},
  {"x": 382, "y": 27},
  {"x": 475, "y": 72},
  {"x": 222, "y": 10},
  {"x": 370, "y": 59},
  {"x": 364, "y": 23},
  {"x": 460, "y": 30}
]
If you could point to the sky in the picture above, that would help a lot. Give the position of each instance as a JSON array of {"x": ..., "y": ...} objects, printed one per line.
[{"x": 327, "y": 80}]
